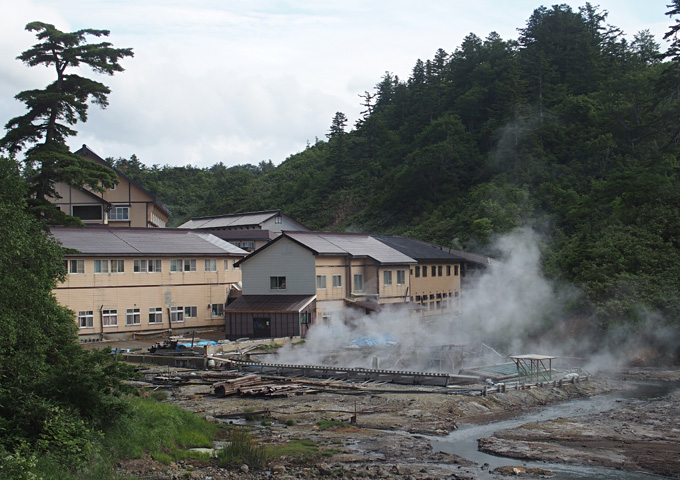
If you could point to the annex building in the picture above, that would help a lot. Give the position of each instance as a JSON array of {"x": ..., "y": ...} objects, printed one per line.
[
  {"x": 305, "y": 277},
  {"x": 127, "y": 204}
]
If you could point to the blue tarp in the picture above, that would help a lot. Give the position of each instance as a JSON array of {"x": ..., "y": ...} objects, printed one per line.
[
  {"x": 374, "y": 340},
  {"x": 202, "y": 343}
]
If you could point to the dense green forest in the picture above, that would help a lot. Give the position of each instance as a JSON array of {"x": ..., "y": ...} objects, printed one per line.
[{"x": 571, "y": 129}]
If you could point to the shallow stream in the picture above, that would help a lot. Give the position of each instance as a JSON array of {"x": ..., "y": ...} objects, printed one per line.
[{"x": 463, "y": 441}]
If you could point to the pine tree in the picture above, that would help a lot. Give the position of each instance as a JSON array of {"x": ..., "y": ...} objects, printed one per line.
[{"x": 52, "y": 112}]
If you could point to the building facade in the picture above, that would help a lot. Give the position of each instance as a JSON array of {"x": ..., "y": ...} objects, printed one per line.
[
  {"x": 328, "y": 273},
  {"x": 141, "y": 280},
  {"x": 127, "y": 204}
]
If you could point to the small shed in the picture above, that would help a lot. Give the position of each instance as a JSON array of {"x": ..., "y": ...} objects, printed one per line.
[{"x": 534, "y": 367}]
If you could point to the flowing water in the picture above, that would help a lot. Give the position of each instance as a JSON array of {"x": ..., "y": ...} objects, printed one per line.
[{"x": 463, "y": 441}]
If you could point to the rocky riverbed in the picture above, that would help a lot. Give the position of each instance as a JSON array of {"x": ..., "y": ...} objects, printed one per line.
[{"x": 385, "y": 431}]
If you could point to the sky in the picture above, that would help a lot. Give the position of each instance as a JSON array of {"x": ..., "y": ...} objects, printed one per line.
[{"x": 244, "y": 81}]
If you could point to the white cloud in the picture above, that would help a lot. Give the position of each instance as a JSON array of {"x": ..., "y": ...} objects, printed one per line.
[{"x": 240, "y": 81}]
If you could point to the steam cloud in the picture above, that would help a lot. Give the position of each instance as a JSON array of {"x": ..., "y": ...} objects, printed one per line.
[{"x": 508, "y": 309}]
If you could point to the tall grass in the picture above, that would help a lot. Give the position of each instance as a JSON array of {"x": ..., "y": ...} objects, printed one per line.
[
  {"x": 159, "y": 430},
  {"x": 242, "y": 449}
]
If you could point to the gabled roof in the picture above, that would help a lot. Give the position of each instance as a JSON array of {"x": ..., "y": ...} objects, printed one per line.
[
  {"x": 85, "y": 151},
  {"x": 108, "y": 241},
  {"x": 238, "y": 220},
  {"x": 270, "y": 303},
  {"x": 424, "y": 251},
  {"x": 351, "y": 244}
]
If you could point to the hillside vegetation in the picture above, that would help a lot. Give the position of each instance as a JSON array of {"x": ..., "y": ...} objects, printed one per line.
[{"x": 570, "y": 129}]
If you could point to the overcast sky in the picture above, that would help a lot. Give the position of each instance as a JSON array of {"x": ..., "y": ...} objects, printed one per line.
[{"x": 241, "y": 81}]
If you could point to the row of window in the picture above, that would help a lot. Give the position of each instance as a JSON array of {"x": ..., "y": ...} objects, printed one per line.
[
  {"x": 437, "y": 301},
  {"x": 359, "y": 280},
  {"x": 153, "y": 265},
  {"x": 435, "y": 270},
  {"x": 94, "y": 212},
  {"x": 133, "y": 316}
]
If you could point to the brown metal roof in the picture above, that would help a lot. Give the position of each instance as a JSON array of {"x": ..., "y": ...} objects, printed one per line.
[
  {"x": 106, "y": 241},
  {"x": 270, "y": 303}
]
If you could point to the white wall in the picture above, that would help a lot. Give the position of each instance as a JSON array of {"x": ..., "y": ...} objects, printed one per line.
[{"x": 283, "y": 258}]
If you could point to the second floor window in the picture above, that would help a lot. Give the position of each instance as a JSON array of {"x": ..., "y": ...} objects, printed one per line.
[
  {"x": 101, "y": 266},
  {"x": 277, "y": 283},
  {"x": 387, "y": 277},
  {"x": 321, "y": 282},
  {"x": 358, "y": 282},
  {"x": 401, "y": 277},
  {"x": 337, "y": 281},
  {"x": 190, "y": 265},
  {"x": 210, "y": 265},
  {"x": 119, "y": 214},
  {"x": 76, "y": 266}
]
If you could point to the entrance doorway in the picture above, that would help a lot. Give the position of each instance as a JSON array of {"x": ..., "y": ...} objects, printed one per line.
[{"x": 262, "y": 327}]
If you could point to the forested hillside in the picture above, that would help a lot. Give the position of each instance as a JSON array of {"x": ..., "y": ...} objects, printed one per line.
[{"x": 570, "y": 129}]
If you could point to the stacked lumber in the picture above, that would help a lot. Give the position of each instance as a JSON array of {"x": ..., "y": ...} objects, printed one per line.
[{"x": 254, "y": 385}]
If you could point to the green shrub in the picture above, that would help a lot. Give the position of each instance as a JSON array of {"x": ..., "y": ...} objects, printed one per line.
[{"x": 242, "y": 449}]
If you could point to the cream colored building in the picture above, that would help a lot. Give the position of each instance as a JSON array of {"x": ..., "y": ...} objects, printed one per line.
[
  {"x": 436, "y": 279},
  {"x": 304, "y": 277},
  {"x": 127, "y": 204},
  {"x": 136, "y": 280}
]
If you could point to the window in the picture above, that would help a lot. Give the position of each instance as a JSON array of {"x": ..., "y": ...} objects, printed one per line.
[
  {"x": 455, "y": 270},
  {"x": 321, "y": 282},
  {"x": 448, "y": 270},
  {"x": 155, "y": 265},
  {"x": 401, "y": 277},
  {"x": 176, "y": 314},
  {"x": 439, "y": 304},
  {"x": 277, "y": 283},
  {"x": 117, "y": 266},
  {"x": 387, "y": 277},
  {"x": 155, "y": 315},
  {"x": 439, "y": 270},
  {"x": 278, "y": 219},
  {"x": 86, "y": 319},
  {"x": 176, "y": 265},
  {"x": 190, "y": 265},
  {"x": 76, "y": 266},
  {"x": 417, "y": 271},
  {"x": 133, "y": 316},
  {"x": 87, "y": 212},
  {"x": 210, "y": 265},
  {"x": 191, "y": 312},
  {"x": 358, "y": 282},
  {"x": 139, "y": 266},
  {"x": 110, "y": 318},
  {"x": 337, "y": 281},
  {"x": 226, "y": 265},
  {"x": 216, "y": 309},
  {"x": 434, "y": 271},
  {"x": 424, "y": 271},
  {"x": 101, "y": 266},
  {"x": 305, "y": 318},
  {"x": 119, "y": 214}
]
